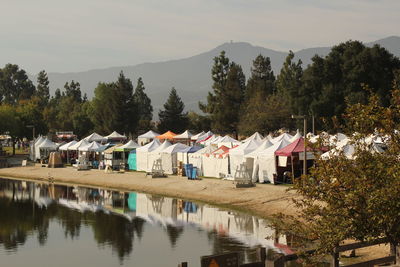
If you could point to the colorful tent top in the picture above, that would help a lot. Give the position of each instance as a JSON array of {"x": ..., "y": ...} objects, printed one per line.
[
  {"x": 92, "y": 147},
  {"x": 221, "y": 152},
  {"x": 185, "y": 135},
  {"x": 167, "y": 136},
  {"x": 83, "y": 142},
  {"x": 245, "y": 148},
  {"x": 176, "y": 148},
  {"x": 196, "y": 136},
  {"x": 149, "y": 147},
  {"x": 94, "y": 137},
  {"x": 282, "y": 136},
  {"x": 293, "y": 148},
  {"x": 256, "y": 136},
  {"x": 205, "y": 136},
  {"x": 47, "y": 144},
  {"x": 128, "y": 146},
  {"x": 264, "y": 145},
  {"x": 67, "y": 145},
  {"x": 295, "y": 137},
  {"x": 149, "y": 135},
  {"x": 115, "y": 136},
  {"x": 203, "y": 141},
  {"x": 193, "y": 149}
]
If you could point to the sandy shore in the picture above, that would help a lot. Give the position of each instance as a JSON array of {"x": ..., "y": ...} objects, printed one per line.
[{"x": 262, "y": 200}]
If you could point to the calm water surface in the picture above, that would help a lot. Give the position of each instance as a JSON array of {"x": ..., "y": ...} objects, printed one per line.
[{"x": 45, "y": 224}]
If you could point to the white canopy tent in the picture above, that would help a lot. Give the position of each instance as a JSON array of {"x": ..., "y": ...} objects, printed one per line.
[
  {"x": 129, "y": 145},
  {"x": 155, "y": 155},
  {"x": 256, "y": 137},
  {"x": 196, "y": 136},
  {"x": 32, "y": 153},
  {"x": 228, "y": 141},
  {"x": 285, "y": 136},
  {"x": 264, "y": 166},
  {"x": 44, "y": 148},
  {"x": 237, "y": 155},
  {"x": 115, "y": 136},
  {"x": 185, "y": 135},
  {"x": 204, "y": 136},
  {"x": 216, "y": 164},
  {"x": 95, "y": 137},
  {"x": 147, "y": 137},
  {"x": 169, "y": 157},
  {"x": 77, "y": 145},
  {"x": 142, "y": 154},
  {"x": 295, "y": 137},
  {"x": 66, "y": 146},
  {"x": 92, "y": 147},
  {"x": 196, "y": 157}
]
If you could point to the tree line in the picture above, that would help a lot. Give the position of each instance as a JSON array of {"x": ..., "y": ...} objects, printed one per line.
[{"x": 264, "y": 102}]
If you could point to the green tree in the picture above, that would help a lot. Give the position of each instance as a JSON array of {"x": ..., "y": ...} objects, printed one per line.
[
  {"x": 198, "y": 123},
  {"x": 289, "y": 82},
  {"x": 42, "y": 88},
  {"x": 143, "y": 106},
  {"x": 357, "y": 198},
  {"x": 14, "y": 85},
  {"x": 73, "y": 90},
  {"x": 262, "y": 78},
  {"x": 223, "y": 104},
  {"x": 126, "y": 116},
  {"x": 103, "y": 108},
  {"x": 172, "y": 117}
]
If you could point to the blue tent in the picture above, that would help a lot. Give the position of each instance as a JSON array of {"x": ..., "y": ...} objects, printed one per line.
[{"x": 132, "y": 160}]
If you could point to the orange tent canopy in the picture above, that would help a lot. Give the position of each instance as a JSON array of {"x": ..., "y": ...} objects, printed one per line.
[{"x": 167, "y": 136}]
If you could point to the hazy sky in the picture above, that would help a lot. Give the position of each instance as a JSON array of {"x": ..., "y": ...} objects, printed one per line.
[{"x": 76, "y": 35}]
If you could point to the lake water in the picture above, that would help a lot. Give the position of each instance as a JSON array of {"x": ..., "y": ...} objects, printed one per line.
[{"x": 44, "y": 224}]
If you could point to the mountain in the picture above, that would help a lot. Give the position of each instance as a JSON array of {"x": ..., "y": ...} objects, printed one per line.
[{"x": 192, "y": 76}]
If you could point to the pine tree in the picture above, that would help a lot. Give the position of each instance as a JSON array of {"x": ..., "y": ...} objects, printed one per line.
[
  {"x": 223, "y": 104},
  {"x": 42, "y": 88},
  {"x": 143, "y": 107},
  {"x": 126, "y": 117},
  {"x": 289, "y": 82},
  {"x": 173, "y": 118},
  {"x": 73, "y": 90},
  {"x": 262, "y": 78}
]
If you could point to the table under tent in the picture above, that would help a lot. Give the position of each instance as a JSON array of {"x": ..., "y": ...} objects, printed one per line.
[
  {"x": 73, "y": 150},
  {"x": 42, "y": 150},
  {"x": 91, "y": 153},
  {"x": 65, "y": 153},
  {"x": 147, "y": 137},
  {"x": 124, "y": 153},
  {"x": 142, "y": 154}
]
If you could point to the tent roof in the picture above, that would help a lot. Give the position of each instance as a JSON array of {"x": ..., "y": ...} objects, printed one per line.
[
  {"x": 149, "y": 147},
  {"x": 178, "y": 147},
  {"x": 295, "y": 147},
  {"x": 47, "y": 144},
  {"x": 115, "y": 135},
  {"x": 83, "y": 142},
  {"x": 245, "y": 148},
  {"x": 295, "y": 137},
  {"x": 206, "y": 150},
  {"x": 185, "y": 135},
  {"x": 192, "y": 149},
  {"x": 205, "y": 139},
  {"x": 264, "y": 145},
  {"x": 39, "y": 140},
  {"x": 227, "y": 139},
  {"x": 93, "y": 147},
  {"x": 167, "y": 135},
  {"x": 255, "y": 136},
  {"x": 149, "y": 135},
  {"x": 94, "y": 137},
  {"x": 163, "y": 146},
  {"x": 196, "y": 136},
  {"x": 112, "y": 149},
  {"x": 282, "y": 136},
  {"x": 204, "y": 136},
  {"x": 67, "y": 145},
  {"x": 128, "y": 146},
  {"x": 221, "y": 152},
  {"x": 270, "y": 151}
]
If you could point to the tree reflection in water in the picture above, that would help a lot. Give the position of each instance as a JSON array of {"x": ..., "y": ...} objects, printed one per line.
[{"x": 28, "y": 209}]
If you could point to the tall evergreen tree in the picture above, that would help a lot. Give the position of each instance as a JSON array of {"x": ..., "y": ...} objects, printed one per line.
[
  {"x": 73, "y": 90},
  {"x": 14, "y": 85},
  {"x": 126, "y": 116},
  {"x": 262, "y": 78},
  {"x": 103, "y": 112},
  {"x": 172, "y": 117},
  {"x": 223, "y": 104},
  {"x": 42, "y": 88},
  {"x": 143, "y": 107},
  {"x": 289, "y": 82}
]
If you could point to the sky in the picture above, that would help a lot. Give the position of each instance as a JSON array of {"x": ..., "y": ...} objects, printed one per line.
[{"x": 78, "y": 35}]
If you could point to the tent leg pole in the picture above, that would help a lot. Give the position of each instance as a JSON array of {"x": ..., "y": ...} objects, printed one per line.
[{"x": 291, "y": 157}]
